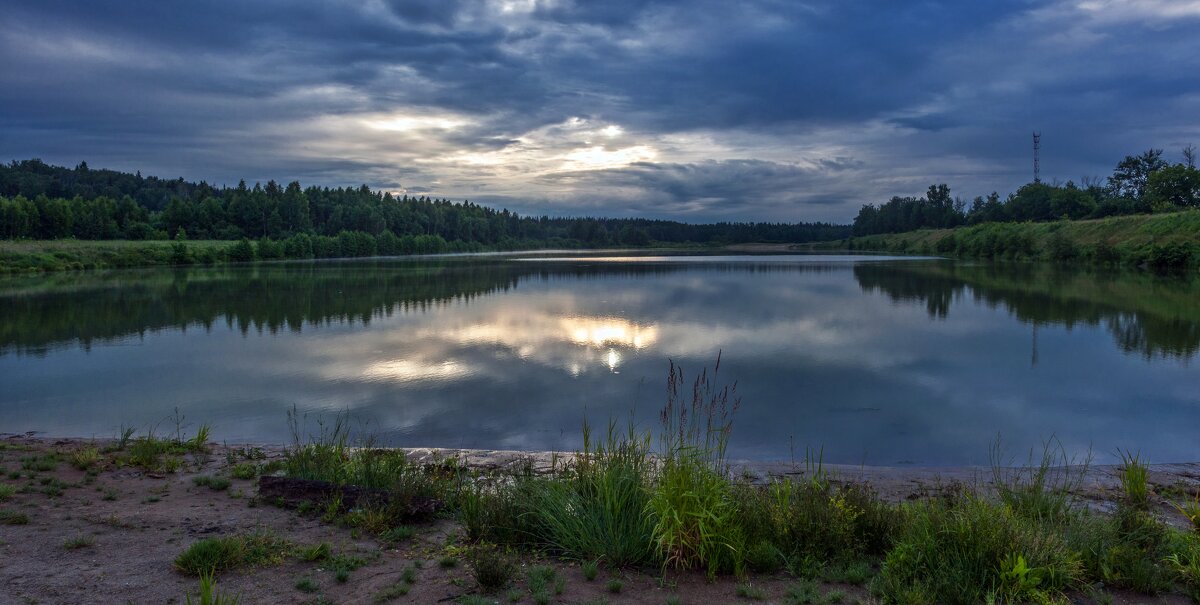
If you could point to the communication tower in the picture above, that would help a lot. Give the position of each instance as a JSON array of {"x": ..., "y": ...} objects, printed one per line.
[{"x": 1037, "y": 149}]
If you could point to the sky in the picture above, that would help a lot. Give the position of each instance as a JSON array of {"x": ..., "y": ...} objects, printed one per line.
[{"x": 776, "y": 110}]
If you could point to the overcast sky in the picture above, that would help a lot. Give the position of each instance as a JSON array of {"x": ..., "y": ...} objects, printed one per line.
[{"x": 724, "y": 110}]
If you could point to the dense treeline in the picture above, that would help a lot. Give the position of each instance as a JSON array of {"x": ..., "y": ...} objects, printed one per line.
[
  {"x": 39, "y": 201},
  {"x": 1140, "y": 184}
]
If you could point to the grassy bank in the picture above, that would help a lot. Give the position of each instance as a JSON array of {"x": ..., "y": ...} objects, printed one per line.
[
  {"x": 1162, "y": 241},
  {"x": 35, "y": 256}
]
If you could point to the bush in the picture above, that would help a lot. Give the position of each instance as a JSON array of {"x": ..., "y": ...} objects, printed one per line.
[
  {"x": 968, "y": 550},
  {"x": 240, "y": 252},
  {"x": 492, "y": 568},
  {"x": 213, "y": 555}
]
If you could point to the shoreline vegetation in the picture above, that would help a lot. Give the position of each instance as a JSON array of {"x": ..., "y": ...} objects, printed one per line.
[
  {"x": 1161, "y": 242},
  {"x": 633, "y": 517}
]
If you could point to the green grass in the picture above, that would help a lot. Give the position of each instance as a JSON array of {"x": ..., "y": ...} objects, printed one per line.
[
  {"x": 397, "y": 534},
  {"x": 1134, "y": 481},
  {"x": 39, "y": 463},
  {"x": 596, "y": 508},
  {"x": 6, "y": 491},
  {"x": 1169, "y": 240},
  {"x": 692, "y": 502},
  {"x": 802, "y": 593},
  {"x": 590, "y": 569},
  {"x": 28, "y": 256},
  {"x": 213, "y": 483},
  {"x": 85, "y": 458},
  {"x": 747, "y": 590},
  {"x": 209, "y": 595},
  {"x": 491, "y": 567},
  {"x": 391, "y": 593},
  {"x": 315, "y": 552},
  {"x": 80, "y": 541},
  {"x": 618, "y": 503},
  {"x": 244, "y": 470},
  {"x": 12, "y": 517},
  {"x": 307, "y": 584},
  {"x": 343, "y": 564},
  {"x": 214, "y": 555},
  {"x": 969, "y": 550}
]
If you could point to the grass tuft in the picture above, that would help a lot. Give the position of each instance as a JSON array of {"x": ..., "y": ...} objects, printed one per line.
[
  {"x": 12, "y": 517},
  {"x": 214, "y": 555},
  {"x": 213, "y": 483},
  {"x": 749, "y": 591},
  {"x": 80, "y": 541},
  {"x": 492, "y": 568},
  {"x": 209, "y": 594}
]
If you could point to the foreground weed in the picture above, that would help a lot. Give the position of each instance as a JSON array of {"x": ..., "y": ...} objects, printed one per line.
[
  {"x": 750, "y": 591},
  {"x": 692, "y": 502},
  {"x": 220, "y": 554},
  {"x": 86, "y": 458},
  {"x": 957, "y": 551},
  {"x": 492, "y": 568},
  {"x": 39, "y": 464},
  {"x": 209, "y": 595},
  {"x": 596, "y": 508},
  {"x": 343, "y": 564},
  {"x": 244, "y": 470},
  {"x": 539, "y": 578},
  {"x": 307, "y": 585},
  {"x": 316, "y": 552},
  {"x": 614, "y": 586},
  {"x": 12, "y": 517},
  {"x": 1041, "y": 489},
  {"x": 473, "y": 599},
  {"x": 397, "y": 534},
  {"x": 1190, "y": 510},
  {"x": 590, "y": 570},
  {"x": 6, "y": 491},
  {"x": 1134, "y": 482},
  {"x": 80, "y": 541},
  {"x": 802, "y": 593},
  {"x": 391, "y": 593},
  {"x": 213, "y": 483}
]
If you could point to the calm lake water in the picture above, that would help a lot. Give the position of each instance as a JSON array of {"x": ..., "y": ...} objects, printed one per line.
[{"x": 876, "y": 360}]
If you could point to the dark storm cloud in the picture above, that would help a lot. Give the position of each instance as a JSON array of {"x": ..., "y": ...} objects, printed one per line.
[
  {"x": 726, "y": 189},
  {"x": 775, "y": 96}
]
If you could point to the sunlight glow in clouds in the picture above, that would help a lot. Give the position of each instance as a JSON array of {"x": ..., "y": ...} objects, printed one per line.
[{"x": 701, "y": 110}]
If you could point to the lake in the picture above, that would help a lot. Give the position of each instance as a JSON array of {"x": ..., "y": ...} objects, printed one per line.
[{"x": 871, "y": 360}]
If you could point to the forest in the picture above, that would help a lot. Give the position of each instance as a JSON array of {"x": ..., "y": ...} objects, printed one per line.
[
  {"x": 1140, "y": 184},
  {"x": 43, "y": 202}
]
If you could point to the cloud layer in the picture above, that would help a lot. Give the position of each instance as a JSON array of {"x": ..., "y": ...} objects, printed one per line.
[{"x": 695, "y": 110}]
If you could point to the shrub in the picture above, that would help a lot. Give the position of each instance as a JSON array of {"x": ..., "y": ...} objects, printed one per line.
[
  {"x": 240, "y": 252},
  {"x": 598, "y": 509},
  {"x": 693, "y": 501},
  {"x": 213, "y": 555},
  {"x": 968, "y": 550},
  {"x": 492, "y": 568}
]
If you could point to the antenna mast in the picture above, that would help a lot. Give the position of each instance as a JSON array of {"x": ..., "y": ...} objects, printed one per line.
[{"x": 1037, "y": 147}]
